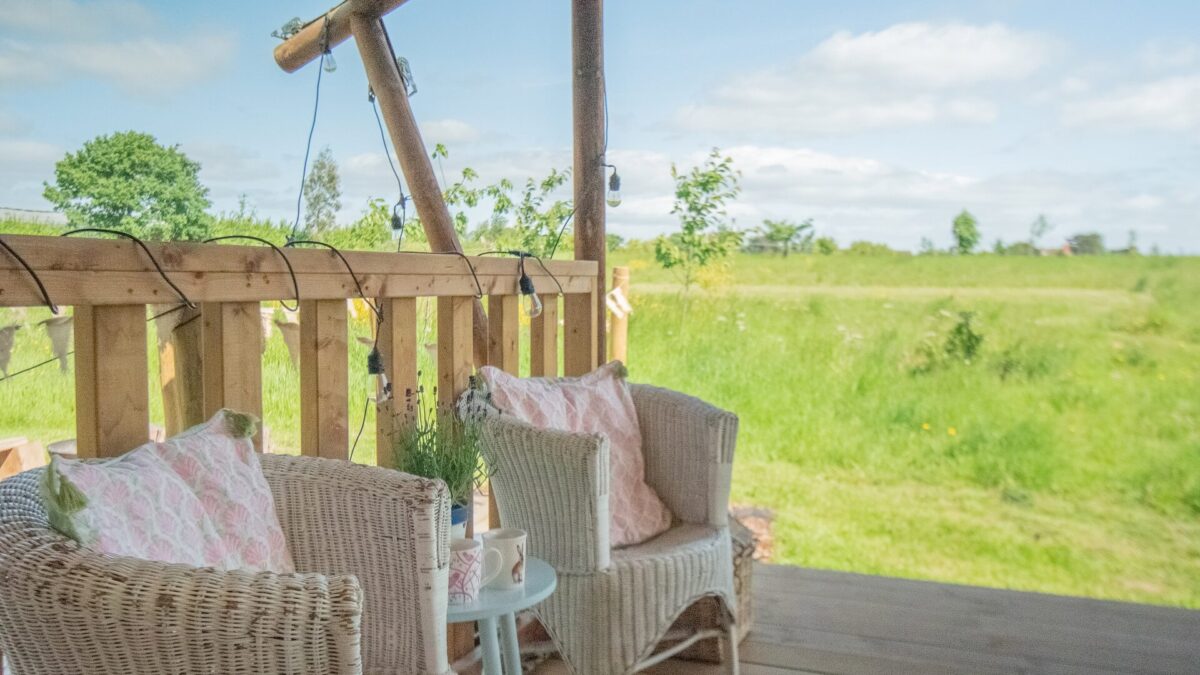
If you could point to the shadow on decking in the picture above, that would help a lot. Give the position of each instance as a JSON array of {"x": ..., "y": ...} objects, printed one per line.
[{"x": 815, "y": 621}]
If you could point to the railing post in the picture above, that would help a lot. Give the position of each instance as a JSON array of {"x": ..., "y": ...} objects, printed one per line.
[
  {"x": 579, "y": 340},
  {"x": 112, "y": 396},
  {"x": 232, "y": 365},
  {"x": 324, "y": 386}
]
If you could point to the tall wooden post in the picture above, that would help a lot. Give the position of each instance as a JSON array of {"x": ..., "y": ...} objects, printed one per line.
[
  {"x": 379, "y": 62},
  {"x": 620, "y": 320},
  {"x": 587, "y": 99}
]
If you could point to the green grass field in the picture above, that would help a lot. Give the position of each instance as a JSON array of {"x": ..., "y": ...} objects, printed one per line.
[{"x": 1065, "y": 457}]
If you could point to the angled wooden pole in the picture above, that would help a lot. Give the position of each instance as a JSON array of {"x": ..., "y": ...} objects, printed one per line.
[
  {"x": 306, "y": 45},
  {"x": 587, "y": 103},
  {"x": 384, "y": 76}
]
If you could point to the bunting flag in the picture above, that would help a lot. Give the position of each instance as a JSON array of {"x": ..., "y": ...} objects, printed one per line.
[
  {"x": 268, "y": 323},
  {"x": 60, "y": 329},
  {"x": 6, "y": 345},
  {"x": 290, "y": 330},
  {"x": 618, "y": 303}
]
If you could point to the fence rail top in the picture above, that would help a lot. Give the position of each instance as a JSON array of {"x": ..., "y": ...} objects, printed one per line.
[{"x": 91, "y": 271}]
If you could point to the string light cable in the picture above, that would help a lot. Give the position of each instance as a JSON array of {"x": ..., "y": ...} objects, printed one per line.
[
  {"x": 398, "y": 220},
  {"x": 325, "y": 52},
  {"x": 36, "y": 279},
  {"x": 142, "y": 245},
  {"x": 288, "y": 263}
]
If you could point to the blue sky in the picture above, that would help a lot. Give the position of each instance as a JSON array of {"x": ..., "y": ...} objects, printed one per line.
[{"x": 878, "y": 120}]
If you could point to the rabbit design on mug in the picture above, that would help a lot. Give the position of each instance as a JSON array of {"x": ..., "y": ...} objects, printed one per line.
[{"x": 518, "y": 570}]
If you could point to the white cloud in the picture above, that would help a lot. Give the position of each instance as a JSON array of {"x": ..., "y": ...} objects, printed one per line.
[
  {"x": 852, "y": 197},
  {"x": 904, "y": 75},
  {"x": 934, "y": 55},
  {"x": 117, "y": 41},
  {"x": 449, "y": 131},
  {"x": 1168, "y": 55},
  {"x": 65, "y": 17},
  {"x": 1168, "y": 104}
]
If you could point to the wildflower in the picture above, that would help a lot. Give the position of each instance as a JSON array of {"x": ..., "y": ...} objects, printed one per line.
[
  {"x": 925, "y": 426},
  {"x": 951, "y": 431}
]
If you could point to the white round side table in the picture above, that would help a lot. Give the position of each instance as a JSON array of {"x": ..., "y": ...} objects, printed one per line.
[{"x": 502, "y": 606}]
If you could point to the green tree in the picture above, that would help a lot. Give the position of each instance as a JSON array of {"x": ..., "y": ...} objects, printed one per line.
[
  {"x": 530, "y": 222},
  {"x": 322, "y": 194},
  {"x": 966, "y": 232},
  {"x": 1086, "y": 243},
  {"x": 706, "y": 232},
  {"x": 825, "y": 245},
  {"x": 129, "y": 182},
  {"x": 371, "y": 232},
  {"x": 785, "y": 234}
]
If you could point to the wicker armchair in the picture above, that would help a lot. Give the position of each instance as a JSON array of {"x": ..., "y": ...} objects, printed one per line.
[
  {"x": 613, "y": 607},
  {"x": 372, "y": 544}
]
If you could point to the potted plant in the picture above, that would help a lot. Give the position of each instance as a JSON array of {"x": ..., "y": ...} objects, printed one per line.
[{"x": 439, "y": 444}]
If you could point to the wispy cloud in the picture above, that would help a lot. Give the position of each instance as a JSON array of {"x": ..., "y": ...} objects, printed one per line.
[
  {"x": 119, "y": 42},
  {"x": 1171, "y": 104},
  {"x": 903, "y": 75}
]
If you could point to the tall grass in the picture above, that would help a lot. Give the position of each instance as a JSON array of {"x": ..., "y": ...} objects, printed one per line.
[{"x": 1065, "y": 457}]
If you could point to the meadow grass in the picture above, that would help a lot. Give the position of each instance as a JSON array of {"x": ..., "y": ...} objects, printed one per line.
[{"x": 1064, "y": 457}]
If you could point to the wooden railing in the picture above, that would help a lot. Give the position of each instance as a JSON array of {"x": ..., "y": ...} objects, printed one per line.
[{"x": 111, "y": 282}]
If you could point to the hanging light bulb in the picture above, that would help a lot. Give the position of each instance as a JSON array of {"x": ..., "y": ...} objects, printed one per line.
[
  {"x": 531, "y": 304},
  {"x": 398, "y": 220},
  {"x": 613, "y": 198},
  {"x": 328, "y": 63}
]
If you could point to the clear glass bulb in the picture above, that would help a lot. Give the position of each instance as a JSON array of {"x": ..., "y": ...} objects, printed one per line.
[
  {"x": 531, "y": 305},
  {"x": 613, "y": 198},
  {"x": 329, "y": 64}
]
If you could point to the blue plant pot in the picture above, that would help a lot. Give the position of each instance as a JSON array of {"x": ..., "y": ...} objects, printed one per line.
[{"x": 458, "y": 520}]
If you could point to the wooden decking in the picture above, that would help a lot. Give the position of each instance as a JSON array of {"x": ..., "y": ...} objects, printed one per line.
[{"x": 814, "y": 621}]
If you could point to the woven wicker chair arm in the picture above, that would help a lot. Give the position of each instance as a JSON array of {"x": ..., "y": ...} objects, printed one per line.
[
  {"x": 689, "y": 446},
  {"x": 554, "y": 485},
  {"x": 110, "y": 615}
]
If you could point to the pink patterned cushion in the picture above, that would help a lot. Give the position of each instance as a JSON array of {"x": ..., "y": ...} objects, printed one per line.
[
  {"x": 136, "y": 506},
  {"x": 199, "y": 499},
  {"x": 598, "y": 402},
  {"x": 219, "y": 464}
]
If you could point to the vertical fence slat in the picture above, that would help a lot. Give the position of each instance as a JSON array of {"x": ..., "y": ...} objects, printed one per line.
[
  {"x": 398, "y": 347},
  {"x": 504, "y": 333},
  {"x": 232, "y": 343},
  {"x": 579, "y": 339},
  {"x": 504, "y": 337},
  {"x": 324, "y": 385},
  {"x": 455, "y": 316},
  {"x": 543, "y": 339},
  {"x": 112, "y": 397},
  {"x": 455, "y": 322}
]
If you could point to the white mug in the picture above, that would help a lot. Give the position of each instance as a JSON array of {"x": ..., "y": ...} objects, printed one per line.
[
  {"x": 510, "y": 544},
  {"x": 466, "y": 570}
]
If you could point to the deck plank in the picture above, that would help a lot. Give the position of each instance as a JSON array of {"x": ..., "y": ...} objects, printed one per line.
[{"x": 821, "y": 621}]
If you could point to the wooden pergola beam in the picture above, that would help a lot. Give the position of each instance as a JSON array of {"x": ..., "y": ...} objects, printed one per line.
[
  {"x": 305, "y": 46},
  {"x": 587, "y": 107}
]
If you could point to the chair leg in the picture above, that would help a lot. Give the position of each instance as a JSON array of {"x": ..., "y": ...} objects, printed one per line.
[{"x": 732, "y": 667}]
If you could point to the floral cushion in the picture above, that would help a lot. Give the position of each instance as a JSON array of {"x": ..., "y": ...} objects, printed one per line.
[
  {"x": 133, "y": 505},
  {"x": 199, "y": 499},
  {"x": 218, "y": 462},
  {"x": 598, "y": 402}
]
